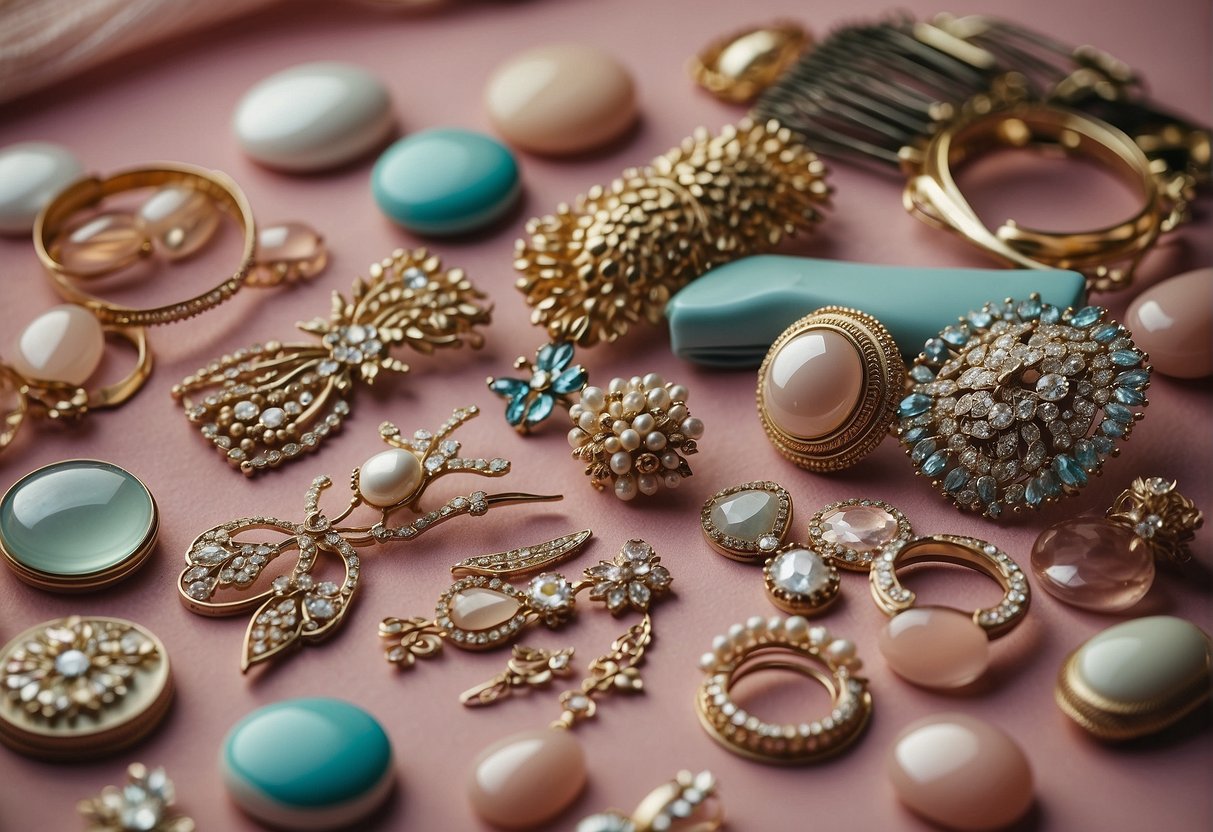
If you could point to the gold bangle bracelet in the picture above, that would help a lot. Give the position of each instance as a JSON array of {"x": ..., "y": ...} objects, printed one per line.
[
  {"x": 87, "y": 193},
  {"x": 933, "y": 195}
]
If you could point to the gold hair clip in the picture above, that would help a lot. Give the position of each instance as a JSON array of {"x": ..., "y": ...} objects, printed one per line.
[
  {"x": 145, "y": 802},
  {"x": 591, "y": 271},
  {"x": 481, "y": 610},
  {"x": 269, "y": 404},
  {"x": 298, "y": 609}
]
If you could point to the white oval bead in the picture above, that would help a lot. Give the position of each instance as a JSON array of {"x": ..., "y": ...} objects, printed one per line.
[
  {"x": 658, "y": 398},
  {"x": 672, "y": 479},
  {"x": 621, "y": 462},
  {"x": 313, "y": 117},
  {"x": 31, "y": 174},
  {"x": 577, "y": 438},
  {"x": 692, "y": 427},
  {"x": 678, "y": 393},
  {"x": 630, "y": 440},
  {"x": 643, "y": 423},
  {"x": 593, "y": 398},
  {"x": 179, "y": 220},
  {"x": 612, "y": 445},
  {"x": 1143, "y": 660},
  {"x": 655, "y": 441},
  {"x": 648, "y": 483},
  {"x": 64, "y": 344},
  {"x": 625, "y": 488},
  {"x": 633, "y": 402},
  {"x": 389, "y": 477}
]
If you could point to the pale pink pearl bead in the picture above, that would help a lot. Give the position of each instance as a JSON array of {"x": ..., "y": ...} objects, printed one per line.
[
  {"x": 64, "y": 344},
  {"x": 527, "y": 779},
  {"x": 961, "y": 773},
  {"x": 935, "y": 647},
  {"x": 813, "y": 384}
]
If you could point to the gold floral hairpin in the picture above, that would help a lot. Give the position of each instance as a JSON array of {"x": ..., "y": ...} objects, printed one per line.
[
  {"x": 297, "y": 608},
  {"x": 271, "y": 403},
  {"x": 481, "y": 610}
]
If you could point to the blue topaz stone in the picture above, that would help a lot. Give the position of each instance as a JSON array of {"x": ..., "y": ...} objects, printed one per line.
[
  {"x": 923, "y": 449},
  {"x": 308, "y": 764},
  {"x": 1126, "y": 358},
  {"x": 1129, "y": 396},
  {"x": 914, "y": 405},
  {"x": 77, "y": 525},
  {"x": 936, "y": 350},
  {"x": 1086, "y": 316},
  {"x": 1118, "y": 412},
  {"x": 1112, "y": 428},
  {"x": 446, "y": 181},
  {"x": 956, "y": 479},
  {"x": 935, "y": 463},
  {"x": 1069, "y": 472},
  {"x": 913, "y": 435},
  {"x": 1133, "y": 378},
  {"x": 1105, "y": 332}
]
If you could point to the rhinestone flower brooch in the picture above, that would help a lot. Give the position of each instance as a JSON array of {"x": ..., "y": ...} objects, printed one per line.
[{"x": 270, "y": 403}]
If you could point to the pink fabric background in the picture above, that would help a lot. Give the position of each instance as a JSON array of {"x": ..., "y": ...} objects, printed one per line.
[{"x": 175, "y": 102}]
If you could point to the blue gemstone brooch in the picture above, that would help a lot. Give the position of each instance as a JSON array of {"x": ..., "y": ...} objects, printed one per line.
[{"x": 1019, "y": 403}]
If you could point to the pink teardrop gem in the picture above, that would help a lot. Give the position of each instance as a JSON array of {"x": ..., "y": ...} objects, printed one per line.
[
  {"x": 479, "y": 608},
  {"x": 1094, "y": 564},
  {"x": 527, "y": 779},
  {"x": 288, "y": 251},
  {"x": 100, "y": 243}
]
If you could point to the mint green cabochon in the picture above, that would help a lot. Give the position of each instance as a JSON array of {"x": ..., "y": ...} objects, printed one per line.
[
  {"x": 308, "y": 753},
  {"x": 445, "y": 181},
  {"x": 732, "y": 315},
  {"x": 76, "y": 517}
]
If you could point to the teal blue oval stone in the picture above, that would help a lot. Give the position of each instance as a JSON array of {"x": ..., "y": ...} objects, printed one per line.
[
  {"x": 1086, "y": 316},
  {"x": 77, "y": 518},
  {"x": 305, "y": 754},
  {"x": 445, "y": 181}
]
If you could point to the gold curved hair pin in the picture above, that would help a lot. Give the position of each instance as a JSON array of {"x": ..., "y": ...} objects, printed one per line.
[{"x": 298, "y": 608}]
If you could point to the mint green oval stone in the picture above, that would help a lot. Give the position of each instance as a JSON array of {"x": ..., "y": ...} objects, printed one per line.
[
  {"x": 76, "y": 517},
  {"x": 305, "y": 754},
  {"x": 445, "y": 181}
]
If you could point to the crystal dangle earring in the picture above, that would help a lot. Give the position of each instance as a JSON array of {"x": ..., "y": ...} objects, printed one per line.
[{"x": 482, "y": 610}]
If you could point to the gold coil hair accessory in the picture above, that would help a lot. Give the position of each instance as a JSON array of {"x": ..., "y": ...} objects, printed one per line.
[
  {"x": 298, "y": 608},
  {"x": 610, "y": 261},
  {"x": 922, "y": 96},
  {"x": 271, "y": 403}
]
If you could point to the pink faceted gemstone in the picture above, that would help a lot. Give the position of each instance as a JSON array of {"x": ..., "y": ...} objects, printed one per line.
[
  {"x": 862, "y": 528},
  {"x": 1093, "y": 564}
]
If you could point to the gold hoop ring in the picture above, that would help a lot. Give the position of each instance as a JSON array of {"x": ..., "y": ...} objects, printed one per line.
[
  {"x": 86, "y": 193},
  {"x": 996, "y": 621},
  {"x": 782, "y": 644},
  {"x": 932, "y": 194}
]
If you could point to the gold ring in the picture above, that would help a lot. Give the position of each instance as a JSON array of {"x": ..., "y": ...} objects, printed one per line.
[
  {"x": 787, "y": 645},
  {"x": 88, "y": 192},
  {"x": 995, "y": 621},
  {"x": 932, "y": 194}
]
